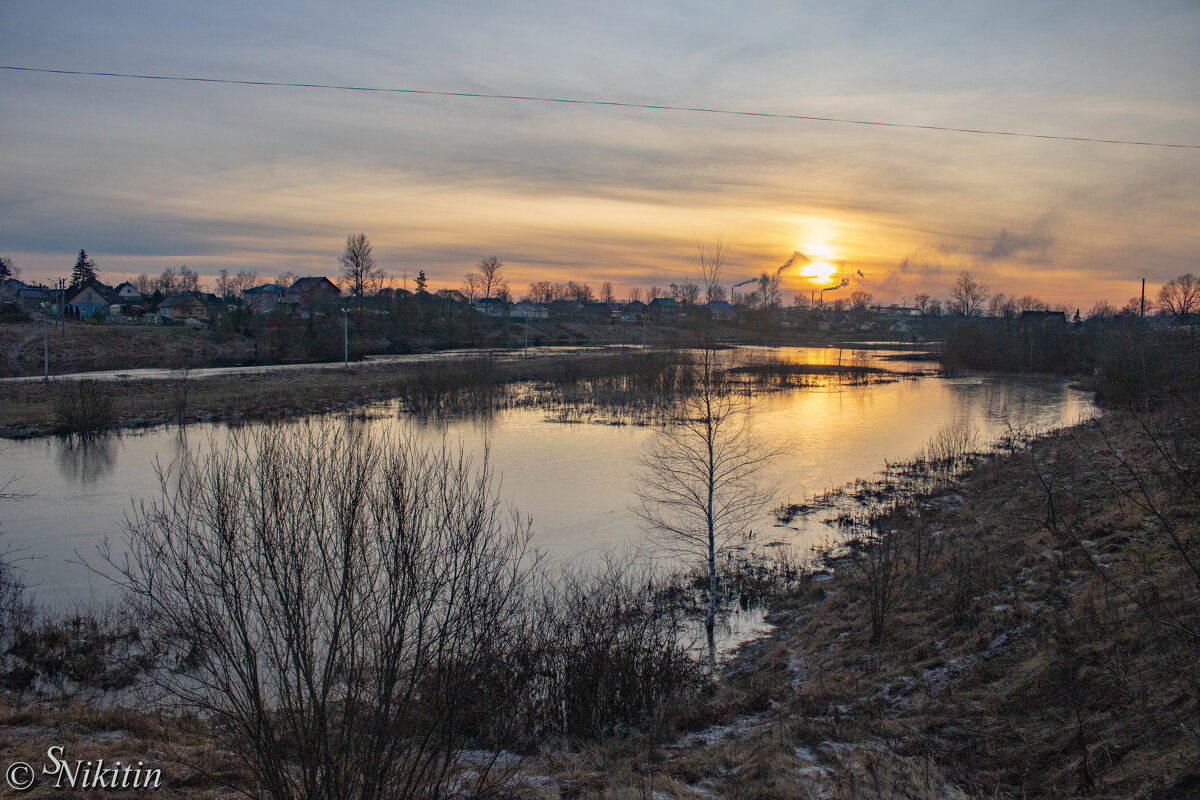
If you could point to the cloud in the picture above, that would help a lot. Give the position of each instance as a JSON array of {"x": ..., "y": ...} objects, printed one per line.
[{"x": 1006, "y": 246}]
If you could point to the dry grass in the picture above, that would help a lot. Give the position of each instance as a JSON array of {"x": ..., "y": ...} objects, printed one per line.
[
  {"x": 88, "y": 731},
  {"x": 468, "y": 385},
  {"x": 1032, "y": 657}
]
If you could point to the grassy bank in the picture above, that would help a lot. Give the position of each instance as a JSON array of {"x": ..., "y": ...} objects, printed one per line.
[
  {"x": 605, "y": 384},
  {"x": 468, "y": 384},
  {"x": 242, "y": 339},
  {"x": 1041, "y": 634}
]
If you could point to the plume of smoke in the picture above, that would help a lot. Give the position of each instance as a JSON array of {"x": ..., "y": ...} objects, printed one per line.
[{"x": 797, "y": 258}]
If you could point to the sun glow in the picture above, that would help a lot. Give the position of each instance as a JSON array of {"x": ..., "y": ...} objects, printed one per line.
[
  {"x": 819, "y": 272},
  {"x": 820, "y": 255}
]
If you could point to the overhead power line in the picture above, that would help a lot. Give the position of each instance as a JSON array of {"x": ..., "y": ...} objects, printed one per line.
[{"x": 601, "y": 103}]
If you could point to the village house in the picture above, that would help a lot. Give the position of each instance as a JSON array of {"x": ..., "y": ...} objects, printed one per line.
[
  {"x": 565, "y": 309},
  {"x": 29, "y": 298},
  {"x": 127, "y": 300},
  {"x": 189, "y": 305},
  {"x": 664, "y": 307},
  {"x": 263, "y": 299},
  {"x": 528, "y": 310},
  {"x": 633, "y": 311},
  {"x": 491, "y": 306},
  {"x": 721, "y": 309},
  {"x": 314, "y": 295},
  {"x": 90, "y": 299}
]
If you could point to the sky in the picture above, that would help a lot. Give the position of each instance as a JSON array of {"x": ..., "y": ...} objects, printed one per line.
[{"x": 147, "y": 175}]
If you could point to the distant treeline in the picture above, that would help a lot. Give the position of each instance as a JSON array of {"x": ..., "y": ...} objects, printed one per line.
[{"x": 1126, "y": 361}]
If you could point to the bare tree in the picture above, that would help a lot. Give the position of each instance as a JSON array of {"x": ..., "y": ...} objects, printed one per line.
[
  {"x": 333, "y": 603},
  {"x": 359, "y": 272},
  {"x": 471, "y": 286},
  {"x": 968, "y": 295},
  {"x": 1180, "y": 296},
  {"x": 491, "y": 276},
  {"x": 1102, "y": 311},
  {"x": 635, "y": 294},
  {"x": 1030, "y": 303},
  {"x": 230, "y": 286},
  {"x": 686, "y": 292},
  {"x": 606, "y": 293},
  {"x": 922, "y": 301},
  {"x": 860, "y": 304},
  {"x": 699, "y": 481},
  {"x": 540, "y": 292},
  {"x": 7, "y": 270},
  {"x": 711, "y": 260},
  {"x": 167, "y": 282},
  {"x": 768, "y": 292},
  {"x": 579, "y": 291},
  {"x": 189, "y": 279}
]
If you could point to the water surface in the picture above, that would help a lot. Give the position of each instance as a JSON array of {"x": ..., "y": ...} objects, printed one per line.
[{"x": 575, "y": 480}]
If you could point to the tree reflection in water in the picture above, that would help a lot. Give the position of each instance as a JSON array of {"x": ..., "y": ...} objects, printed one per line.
[{"x": 86, "y": 459}]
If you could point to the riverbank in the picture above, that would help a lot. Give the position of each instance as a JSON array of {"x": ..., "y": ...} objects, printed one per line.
[
  {"x": 618, "y": 378},
  {"x": 29, "y": 349},
  {"x": 1041, "y": 628},
  {"x": 28, "y": 408}
]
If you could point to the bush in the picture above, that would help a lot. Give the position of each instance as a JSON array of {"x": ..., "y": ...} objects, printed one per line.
[
  {"x": 611, "y": 657},
  {"x": 84, "y": 406},
  {"x": 334, "y": 603}
]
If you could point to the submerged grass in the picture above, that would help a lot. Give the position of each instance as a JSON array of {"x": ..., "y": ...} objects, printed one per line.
[{"x": 621, "y": 386}]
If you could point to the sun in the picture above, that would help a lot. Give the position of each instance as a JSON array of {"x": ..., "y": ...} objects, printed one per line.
[
  {"x": 819, "y": 272},
  {"x": 820, "y": 252}
]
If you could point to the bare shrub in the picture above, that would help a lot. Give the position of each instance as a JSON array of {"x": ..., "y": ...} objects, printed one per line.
[
  {"x": 952, "y": 446},
  {"x": 84, "y": 406},
  {"x": 881, "y": 558},
  {"x": 89, "y": 650},
  {"x": 611, "y": 657},
  {"x": 14, "y": 602},
  {"x": 334, "y": 603}
]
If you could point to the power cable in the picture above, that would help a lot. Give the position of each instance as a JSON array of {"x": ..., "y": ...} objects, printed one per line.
[{"x": 604, "y": 103}]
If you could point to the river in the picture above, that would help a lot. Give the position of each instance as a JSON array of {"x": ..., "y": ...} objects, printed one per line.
[{"x": 573, "y": 479}]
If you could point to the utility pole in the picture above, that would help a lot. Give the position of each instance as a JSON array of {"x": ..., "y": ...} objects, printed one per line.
[
  {"x": 345, "y": 337},
  {"x": 1143, "y": 313},
  {"x": 45, "y": 348}
]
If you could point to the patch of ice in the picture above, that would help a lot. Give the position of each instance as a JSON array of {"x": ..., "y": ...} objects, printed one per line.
[
  {"x": 716, "y": 733},
  {"x": 805, "y": 754}
]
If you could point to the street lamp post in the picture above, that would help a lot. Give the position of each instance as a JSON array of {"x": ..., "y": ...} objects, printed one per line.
[{"x": 345, "y": 337}]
